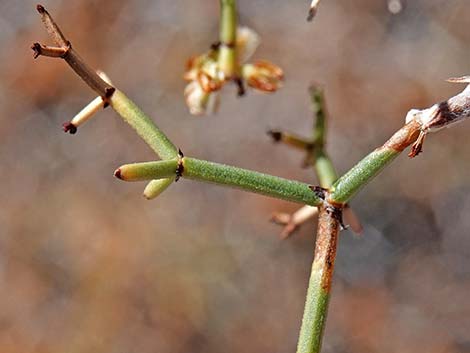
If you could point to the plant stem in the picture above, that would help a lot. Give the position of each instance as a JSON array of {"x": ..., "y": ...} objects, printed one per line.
[
  {"x": 156, "y": 187},
  {"x": 221, "y": 174},
  {"x": 318, "y": 293},
  {"x": 317, "y": 101},
  {"x": 228, "y": 36},
  {"x": 368, "y": 168},
  {"x": 260, "y": 183},
  {"x": 147, "y": 170},
  {"x": 324, "y": 168},
  {"x": 149, "y": 132},
  {"x": 143, "y": 125}
]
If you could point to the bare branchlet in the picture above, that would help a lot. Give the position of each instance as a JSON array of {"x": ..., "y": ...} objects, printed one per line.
[
  {"x": 440, "y": 115},
  {"x": 312, "y": 11},
  {"x": 69, "y": 54},
  {"x": 292, "y": 222}
]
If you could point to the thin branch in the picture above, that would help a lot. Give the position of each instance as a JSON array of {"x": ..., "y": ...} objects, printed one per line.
[
  {"x": 293, "y": 221},
  {"x": 312, "y": 11},
  {"x": 143, "y": 125},
  {"x": 44, "y": 50},
  {"x": 70, "y": 56},
  {"x": 147, "y": 170},
  {"x": 228, "y": 36},
  {"x": 291, "y": 140},
  {"x": 419, "y": 124},
  {"x": 318, "y": 293},
  {"x": 247, "y": 180},
  {"x": 156, "y": 187},
  {"x": 368, "y": 168}
]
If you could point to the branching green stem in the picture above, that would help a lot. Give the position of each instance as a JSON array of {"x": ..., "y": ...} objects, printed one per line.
[
  {"x": 221, "y": 174},
  {"x": 318, "y": 292},
  {"x": 174, "y": 165}
]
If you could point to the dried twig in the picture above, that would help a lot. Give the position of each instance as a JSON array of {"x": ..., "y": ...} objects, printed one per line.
[
  {"x": 69, "y": 54},
  {"x": 312, "y": 11}
]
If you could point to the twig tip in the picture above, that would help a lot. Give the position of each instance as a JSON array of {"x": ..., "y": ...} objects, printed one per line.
[
  {"x": 275, "y": 135},
  {"x": 69, "y": 127},
  {"x": 311, "y": 14},
  {"x": 40, "y": 9},
  {"x": 117, "y": 173},
  {"x": 36, "y": 47}
]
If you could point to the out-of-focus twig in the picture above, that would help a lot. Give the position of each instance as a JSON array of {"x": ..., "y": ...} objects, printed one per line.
[
  {"x": 312, "y": 11},
  {"x": 317, "y": 157}
]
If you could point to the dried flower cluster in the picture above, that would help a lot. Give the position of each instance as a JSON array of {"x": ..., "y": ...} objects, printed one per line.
[{"x": 205, "y": 77}]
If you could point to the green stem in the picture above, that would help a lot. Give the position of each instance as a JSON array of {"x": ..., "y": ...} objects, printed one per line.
[
  {"x": 221, "y": 174},
  {"x": 143, "y": 125},
  {"x": 228, "y": 36},
  {"x": 156, "y": 187},
  {"x": 147, "y": 170},
  {"x": 318, "y": 293},
  {"x": 317, "y": 101},
  {"x": 149, "y": 132},
  {"x": 368, "y": 168},
  {"x": 248, "y": 180},
  {"x": 324, "y": 169}
]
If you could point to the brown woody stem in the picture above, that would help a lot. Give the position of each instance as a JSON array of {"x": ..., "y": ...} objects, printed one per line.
[{"x": 66, "y": 52}]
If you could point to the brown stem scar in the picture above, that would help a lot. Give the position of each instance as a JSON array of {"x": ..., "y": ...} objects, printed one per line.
[
  {"x": 117, "y": 173},
  {"x": 180, "y": 166},
  {"x": 417, "y": 147},
  {"x": 319, "y": 191},
  {"x": 275, "y": 135}
]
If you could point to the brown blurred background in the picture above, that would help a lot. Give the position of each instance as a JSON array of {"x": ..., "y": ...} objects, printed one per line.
[{"x": 88, "y": 265}]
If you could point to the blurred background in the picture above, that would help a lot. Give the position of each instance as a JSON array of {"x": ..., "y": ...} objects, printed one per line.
[{"x": 88, "y": 265}]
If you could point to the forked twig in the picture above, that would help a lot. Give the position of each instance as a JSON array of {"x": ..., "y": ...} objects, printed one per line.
[{"x": 70, "y": 55}]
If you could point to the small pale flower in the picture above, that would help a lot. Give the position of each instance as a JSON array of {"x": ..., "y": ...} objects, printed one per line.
[
  {"x": 199, "y": 100},
  {"x": 247, "y": 43},
  {"x": 263, "y": 76}
]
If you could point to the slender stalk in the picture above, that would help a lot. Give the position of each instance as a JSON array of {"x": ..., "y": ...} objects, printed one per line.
[
  {"x": 260, "y": 183},
  {"x": 291, "y": 140},
  {"x": 147, "y": 170},
  {"x": 143, "y": 125},
  {"x": 324, "y": 168},
  {"x": 221, "y": 174},
  {"x": 156, "y": 187},
  {"x": 228, "y": 37},
  {"x": 318, "y": 106},
  {"x": 312, "y": 11},
  {"x": 318, "y": 293}
]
